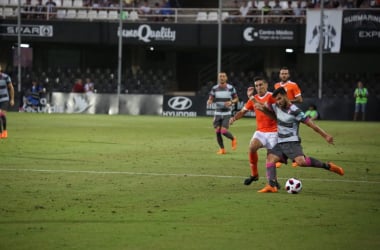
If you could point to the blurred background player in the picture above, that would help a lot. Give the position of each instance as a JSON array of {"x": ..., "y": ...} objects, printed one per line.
[
  {"x": 265, "y": 135},
  {"x": 224, "y": 96},
  {"x": 7, "y": 94},
  {"x": 292, "y": 90}
]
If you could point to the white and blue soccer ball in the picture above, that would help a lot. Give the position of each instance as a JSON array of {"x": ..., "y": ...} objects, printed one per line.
[{"x": 293, "y": 186}]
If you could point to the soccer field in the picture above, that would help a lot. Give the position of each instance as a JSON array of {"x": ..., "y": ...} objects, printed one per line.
[{"x": 150, "y": 182}]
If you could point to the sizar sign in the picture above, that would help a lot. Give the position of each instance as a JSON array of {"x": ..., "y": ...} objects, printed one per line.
[{"x": 27, "y": 30}]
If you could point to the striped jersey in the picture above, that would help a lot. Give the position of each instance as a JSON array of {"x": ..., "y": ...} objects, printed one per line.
[
  {"x": 288, "y": 121},
  {"x": 4, "y": 81},
  {"x": 222, "y": 95}
]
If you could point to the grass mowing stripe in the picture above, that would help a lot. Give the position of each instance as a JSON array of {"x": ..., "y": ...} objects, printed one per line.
[{"x": 173, "y": 174}]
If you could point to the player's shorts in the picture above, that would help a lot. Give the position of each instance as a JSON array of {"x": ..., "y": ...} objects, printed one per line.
[
  {"x": 360, "y": 107},
  {"x": 287, "y": 150},
  {"x": 4, "y": 105},
  {"x": 221, "y": 121},
  {"x": 268, "y": 139}
]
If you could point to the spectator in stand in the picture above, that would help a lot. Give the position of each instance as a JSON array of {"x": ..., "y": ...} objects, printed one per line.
[
  {"x": 78, "y": 86},
  {"x": 39, "y": 9},
  {"x": 27, "y": 10},
  {"x": 166, "y": 10},
  {"x": 51, "y": 8},
  {"x": 89, "y": 87},
  {"x": 145, "y": 8},
  {"x": 244, "y": 10},
  {"x": 299, "y": 11},
  {"x": 266, "y": 10},
  {"x": 277, "y": 11},
  {"x": 361, "y": 95}
]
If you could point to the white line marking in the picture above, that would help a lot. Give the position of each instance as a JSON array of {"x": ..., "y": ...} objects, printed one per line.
[{"x": 169, "y": 174}]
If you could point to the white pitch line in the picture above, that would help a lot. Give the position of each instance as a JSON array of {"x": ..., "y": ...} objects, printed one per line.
[{"x": 170, "y": 174}]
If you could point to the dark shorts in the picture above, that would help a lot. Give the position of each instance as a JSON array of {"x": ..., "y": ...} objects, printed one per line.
[
  {"x": 222, "y": 121},
  {"x": 4, "y": 105},
  {"x": 287, "y": 150}
]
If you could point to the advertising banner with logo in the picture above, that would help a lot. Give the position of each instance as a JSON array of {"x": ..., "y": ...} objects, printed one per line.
[
  {"x": 185, "y": 106},
  {"x": 267, "y": 35},
  {"x": 140, "y": 104},
  {"x": 331, "y": 31},
  {"x": 84, "y": 103},
  {"x": 361, "y": 28}
]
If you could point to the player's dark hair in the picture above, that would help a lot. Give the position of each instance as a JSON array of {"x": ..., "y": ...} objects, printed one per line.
[
  {"x": 280, "y": 91},
  {"x": 258, "y": 78}
]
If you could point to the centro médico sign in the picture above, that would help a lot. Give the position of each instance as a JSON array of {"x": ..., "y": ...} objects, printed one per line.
[{"x": 145, "y": 33}]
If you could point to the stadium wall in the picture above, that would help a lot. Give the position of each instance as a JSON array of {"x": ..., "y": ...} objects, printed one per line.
[{"x": 182, "y": 106}]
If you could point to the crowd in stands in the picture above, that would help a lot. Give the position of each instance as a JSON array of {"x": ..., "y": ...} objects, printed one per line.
[
  {"x": 162, "y": 10},
  {"x": 103, "y": 80}
]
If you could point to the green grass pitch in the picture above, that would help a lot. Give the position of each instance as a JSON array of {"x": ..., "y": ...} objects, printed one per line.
[{"x": 150, "y": 182}]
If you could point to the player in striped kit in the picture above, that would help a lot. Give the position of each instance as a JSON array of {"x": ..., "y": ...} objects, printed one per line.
[
  {"x": 6, "y": 98},
  {"x": 224, "y": 96},
  {"x": 289, "y": 116}
]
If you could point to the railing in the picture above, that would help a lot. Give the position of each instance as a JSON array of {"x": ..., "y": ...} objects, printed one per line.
[{"x": 175, "y": 15}]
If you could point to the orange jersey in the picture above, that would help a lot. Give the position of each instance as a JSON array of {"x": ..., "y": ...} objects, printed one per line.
[
  {"x": 292, "y": 89},
  {"x": 263, "y": 122}
]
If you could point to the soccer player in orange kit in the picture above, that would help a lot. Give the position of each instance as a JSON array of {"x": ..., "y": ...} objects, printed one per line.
[{"x": 265, "y": 135}]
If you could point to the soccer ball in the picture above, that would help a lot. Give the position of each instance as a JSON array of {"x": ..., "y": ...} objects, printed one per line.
[{"x": 293, "y": 186}]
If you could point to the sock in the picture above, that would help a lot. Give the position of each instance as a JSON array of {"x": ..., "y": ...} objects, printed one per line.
[
  {"x": 4, "y": 119},
  {"x": 253, "y": 159},
  {"x": 312, "y": 162},
  {"x": 1, "y": 122},
  {"x": 227, "y": 134},
  {"x": 219, "y": 139},
  {"x": 271, "y": 173}
]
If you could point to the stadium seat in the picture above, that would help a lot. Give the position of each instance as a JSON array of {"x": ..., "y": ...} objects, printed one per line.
[
  {"x": 71, "y": 14},
  {"x": 113, "y": 14},
  {"x": 61, "y": 13},
  {"x": 67, "y": 3},
  {"x": 133, "y": 16},
  {"x": 92, "y": 14},
  {"x": 212, "y": 16},
  {"x": 102, "y": 14},
  {"x": 82, "y": 14},
  {"x": 201, "y": 16}
]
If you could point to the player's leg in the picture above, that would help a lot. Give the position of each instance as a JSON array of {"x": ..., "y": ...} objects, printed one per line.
[
  {"x": 4, "y": 132},
  {"x": 357, "y": 107},
  {"x": 275, "y": 155},
  {"x": 308, "y": 161},
  {"x": 219, "y": 139},
  {"x": 254, "y": 145},
  {"x": 227, "y": 133}
]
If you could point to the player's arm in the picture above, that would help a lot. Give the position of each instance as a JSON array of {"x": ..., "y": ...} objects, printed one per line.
[
  {"x": 233, "y": 101},
  {"x": 238, "y": 115},
  {"x": 319, "y": 130},
  {"x": 11, "y": 94},
  {"x": 297, "y": 99},
  {"x": 264, "y": 108},
  {"x": 210, "y": 100}
]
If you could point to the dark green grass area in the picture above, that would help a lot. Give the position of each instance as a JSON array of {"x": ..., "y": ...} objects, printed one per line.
[{"x": 149, "y": 182}]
